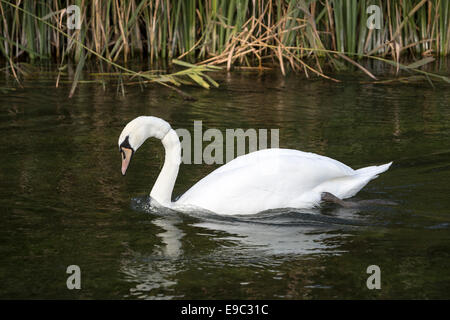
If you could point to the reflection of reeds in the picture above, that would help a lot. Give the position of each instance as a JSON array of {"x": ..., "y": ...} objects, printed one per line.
[{"x": 290, "y": 33}]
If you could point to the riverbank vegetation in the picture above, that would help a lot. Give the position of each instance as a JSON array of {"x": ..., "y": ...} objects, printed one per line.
[{"x": 312, "y": 37}]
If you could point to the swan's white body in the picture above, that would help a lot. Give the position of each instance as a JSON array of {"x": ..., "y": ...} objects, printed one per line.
[{"x": 258, "y": 181}]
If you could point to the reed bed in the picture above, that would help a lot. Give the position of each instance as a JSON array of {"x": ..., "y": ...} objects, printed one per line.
[{"x": 300, "y": 35}]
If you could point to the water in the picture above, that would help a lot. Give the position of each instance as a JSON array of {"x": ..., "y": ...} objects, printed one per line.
[{"x": 63, "y": 200}]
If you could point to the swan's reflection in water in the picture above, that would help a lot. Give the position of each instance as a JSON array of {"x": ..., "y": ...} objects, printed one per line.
[
  {"x": 156, "y": 272},
  {"x": 283, "y": 232},
  {"x": 171, "y": 237},
  {"x": 264, "y": 240}
]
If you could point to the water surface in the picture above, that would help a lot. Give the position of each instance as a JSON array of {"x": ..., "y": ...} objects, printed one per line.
[{"x": 63, "y": 200}]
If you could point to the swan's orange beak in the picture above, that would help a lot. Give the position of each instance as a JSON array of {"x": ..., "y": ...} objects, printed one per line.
[{"x": 126, "y": 158}]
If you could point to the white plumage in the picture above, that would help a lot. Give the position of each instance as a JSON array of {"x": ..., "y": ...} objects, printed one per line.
[{"x": 258, "y": 181}]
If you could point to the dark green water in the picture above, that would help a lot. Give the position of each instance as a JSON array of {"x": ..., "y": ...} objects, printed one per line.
[{"x": 63, "y": 200}]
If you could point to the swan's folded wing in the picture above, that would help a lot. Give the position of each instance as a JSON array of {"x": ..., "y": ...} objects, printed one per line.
[{"x": 262, "y": 180}]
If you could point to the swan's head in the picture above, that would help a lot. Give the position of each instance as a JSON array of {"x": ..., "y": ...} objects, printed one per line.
[{"x": 136, "y": 132}]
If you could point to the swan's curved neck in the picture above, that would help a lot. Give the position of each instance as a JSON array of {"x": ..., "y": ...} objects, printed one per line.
[{"x": 163, "y": 187}]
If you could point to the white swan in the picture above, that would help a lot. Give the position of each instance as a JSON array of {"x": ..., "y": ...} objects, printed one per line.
[{"x": 258, "y": 181}]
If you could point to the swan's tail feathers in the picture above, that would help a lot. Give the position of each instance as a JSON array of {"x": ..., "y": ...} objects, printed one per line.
[
  {"x": 347, "y": 186},
  {"x": 373, "y": 171}
]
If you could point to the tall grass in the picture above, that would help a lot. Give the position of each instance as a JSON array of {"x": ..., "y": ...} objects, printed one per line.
[{"x": 301, "y": 34}]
